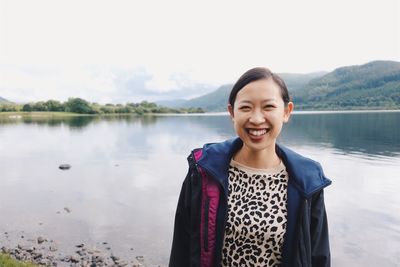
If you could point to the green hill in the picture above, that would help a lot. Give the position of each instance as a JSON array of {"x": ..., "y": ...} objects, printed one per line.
[
  {"x": 211, "y": 102},
  {"x": 174, "y": 103},
  {"x": 295, "y": 81},
  {"x": 2, "y": 100},
  {"x": 218, "y": 100},
  {"x": 375, "y": 85}
]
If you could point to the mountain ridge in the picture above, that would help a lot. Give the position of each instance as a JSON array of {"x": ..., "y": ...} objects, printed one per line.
[
  {"x": 217, "y": 100},
  {"x": 374, "y": 85}
]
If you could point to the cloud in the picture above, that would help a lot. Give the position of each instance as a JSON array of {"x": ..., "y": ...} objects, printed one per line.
[
  {"x": 103, "y": 84},
  {"x": 42, "y": 82},
  {"x": 112, "y": 51}
]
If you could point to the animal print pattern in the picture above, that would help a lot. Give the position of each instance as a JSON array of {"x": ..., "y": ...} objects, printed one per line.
[{"x": 257, "y": 216}]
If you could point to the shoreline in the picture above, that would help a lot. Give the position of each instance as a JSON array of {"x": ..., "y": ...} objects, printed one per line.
[
  {"x": 44, "y": 251},
  {"x": 16, "y": 115},
  {"x": 346, "y": 111}
]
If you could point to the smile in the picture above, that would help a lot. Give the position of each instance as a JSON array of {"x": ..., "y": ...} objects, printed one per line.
[{"x": 257, "y": 132}]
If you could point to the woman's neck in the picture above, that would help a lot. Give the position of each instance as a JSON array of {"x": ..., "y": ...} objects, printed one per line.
[{"x": 259, "y": 159}]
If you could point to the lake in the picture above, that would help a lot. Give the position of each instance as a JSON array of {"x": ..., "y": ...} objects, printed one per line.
[{"x": 127, "y": 172}]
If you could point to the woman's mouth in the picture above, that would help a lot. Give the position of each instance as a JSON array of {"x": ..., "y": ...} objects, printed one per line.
[{"x": 257, "y": 132}]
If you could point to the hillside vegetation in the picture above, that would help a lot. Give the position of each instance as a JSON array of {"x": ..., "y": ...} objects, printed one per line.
[
  {"x": 218, "y": 100},
  {"x": 375, "y": 85},
  {"x": 214, "y": 101},
  {"x": 296, "y": 81}
]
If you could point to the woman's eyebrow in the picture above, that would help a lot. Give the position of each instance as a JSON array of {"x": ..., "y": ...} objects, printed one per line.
[
  {"x": 245, "y": 101},
  {"x": 263, "y": 101},
  {"x": 269, "y": 100}
]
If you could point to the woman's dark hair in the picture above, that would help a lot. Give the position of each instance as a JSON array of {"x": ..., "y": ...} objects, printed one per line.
[{"x": 256, "y": 74}]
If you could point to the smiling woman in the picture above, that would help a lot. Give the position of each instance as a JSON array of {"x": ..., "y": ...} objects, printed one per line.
[
  {"x": 258, "y": 117},
  {"x": 249, "y": 201}
]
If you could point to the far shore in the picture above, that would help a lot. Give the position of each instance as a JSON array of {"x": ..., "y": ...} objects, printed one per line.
[
  {"x": 345, "y": 111},
  {"x": 299, "y": 112},
  {"x": 70, "y": 114},
  {"x": 44, "y": 113}
]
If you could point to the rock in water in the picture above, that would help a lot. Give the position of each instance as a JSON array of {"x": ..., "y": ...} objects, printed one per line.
[
  {"x": 64, "y": 167},
  {"x": 40, "y": 240},
  {"x": 69, "y": 210}
]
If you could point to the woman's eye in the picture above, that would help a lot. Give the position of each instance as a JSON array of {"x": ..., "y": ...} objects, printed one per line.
[
  {"x": 269, "y": 106},
  {"x": 244, "y": 108}
]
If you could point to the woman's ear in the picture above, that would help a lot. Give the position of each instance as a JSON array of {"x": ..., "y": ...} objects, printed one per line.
[
  {"x": 288, "y": 111},
  {"x": 230, "y": 109}
]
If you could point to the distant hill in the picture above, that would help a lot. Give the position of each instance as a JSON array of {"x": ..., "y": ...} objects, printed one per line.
[
  {"x": 218, "y": 99},
  {"x": 214, "y": 101},
  {"x": 375, "y": 85},
  {"x": 295, "y": 81},
  {"x": 2, "y": 100},
  {"x": 171, "y": 103}
]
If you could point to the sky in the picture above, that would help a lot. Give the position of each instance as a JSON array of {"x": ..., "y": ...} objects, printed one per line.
[{"x": 128, "y": 51}]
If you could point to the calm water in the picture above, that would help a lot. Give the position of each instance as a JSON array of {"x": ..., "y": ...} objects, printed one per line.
[{"x": 127, "y": 171}]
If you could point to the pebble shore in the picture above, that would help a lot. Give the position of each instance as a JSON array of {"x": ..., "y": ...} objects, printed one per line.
[{"x": 42, "y": 251}]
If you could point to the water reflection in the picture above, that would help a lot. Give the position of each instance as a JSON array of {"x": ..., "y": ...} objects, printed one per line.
[
  {"x": 366, "y": 133},
  {"x": 76, "y": 122},
  {"x": 127, "y": 172}
]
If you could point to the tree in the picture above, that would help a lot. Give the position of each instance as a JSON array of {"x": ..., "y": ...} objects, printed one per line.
[
  {"x": 39, "y": 106},
  {"x": 27, "y": 107},
  {"x": 78, "y": 105},
  {"x": 148, "y": 105},
  {"x": 53, "y": 105},
  {"x": 8, "y": 107}
]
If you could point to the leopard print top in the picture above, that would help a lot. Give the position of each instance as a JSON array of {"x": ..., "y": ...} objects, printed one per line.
[{"x": 257, "y": 216}]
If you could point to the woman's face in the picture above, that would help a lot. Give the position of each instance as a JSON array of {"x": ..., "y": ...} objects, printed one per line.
[{"x": 259, "y": 113}]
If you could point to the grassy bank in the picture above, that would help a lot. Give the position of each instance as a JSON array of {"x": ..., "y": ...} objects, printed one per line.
[
  {"x": 7, "y": 261},
  {"x": 42, "y": 114},
  {"x": 71, "y": 114},
  {"x": 81, "y": 106}
]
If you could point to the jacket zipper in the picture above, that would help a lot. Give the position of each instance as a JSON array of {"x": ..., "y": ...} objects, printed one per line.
[
  {"x": 206, "y": 211},
  {"x": 207, "y": 204},
  {"x": 225, "y": 199}
]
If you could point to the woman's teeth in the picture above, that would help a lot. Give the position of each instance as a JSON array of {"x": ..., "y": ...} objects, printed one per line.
[{"x": 257, "y": 132}]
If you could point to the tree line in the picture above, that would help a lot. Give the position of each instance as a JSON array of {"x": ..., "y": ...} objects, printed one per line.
[{"x": 81, "y": 106}]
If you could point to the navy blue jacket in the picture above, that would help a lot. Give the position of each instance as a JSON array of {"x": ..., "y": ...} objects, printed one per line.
[{"x": 306, "y": 241}]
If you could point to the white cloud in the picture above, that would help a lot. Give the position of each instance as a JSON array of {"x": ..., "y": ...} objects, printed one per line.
[
  {"x": 182, "y": 43},
  {"x": 42, "y": 83},
  {"x": 103, "y": 84}
]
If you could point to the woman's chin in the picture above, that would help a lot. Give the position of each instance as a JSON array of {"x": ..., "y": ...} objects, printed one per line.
[{"x": 258, "y": 144}]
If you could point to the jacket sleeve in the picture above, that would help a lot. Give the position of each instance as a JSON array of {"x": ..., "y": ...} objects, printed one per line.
[
  {"x": 320, "y": 251},
  {"x": 180, "y": 251}
]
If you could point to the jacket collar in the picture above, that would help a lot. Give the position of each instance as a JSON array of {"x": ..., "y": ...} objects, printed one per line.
[{"x": 307, "y": 175}]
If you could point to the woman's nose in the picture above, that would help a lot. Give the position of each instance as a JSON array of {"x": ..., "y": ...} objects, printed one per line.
[{"x": 257, "y": 117}]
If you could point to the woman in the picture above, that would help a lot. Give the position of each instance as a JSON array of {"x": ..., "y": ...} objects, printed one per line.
[{"x": 250, "y": 201}]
